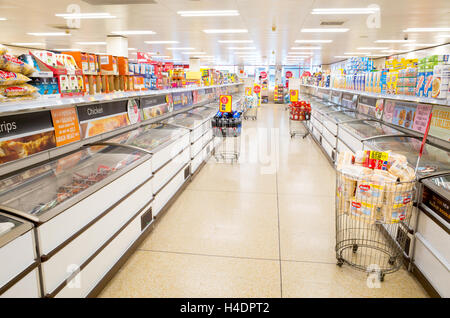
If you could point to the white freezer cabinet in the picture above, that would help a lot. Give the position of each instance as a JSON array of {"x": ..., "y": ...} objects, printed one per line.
[
  {"x": 19, "y": 277},
  {"x": 170, "y": 150},
  {"x": 432, "y": 239},
  {"x": 78, "y": 203},
  {"x": 351, "y": 135}
]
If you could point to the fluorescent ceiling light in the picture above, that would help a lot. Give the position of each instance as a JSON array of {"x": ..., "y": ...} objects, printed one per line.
[
  {"x": 209, "y": 13},
  {"x": 49, "y": 33},
  {"x": 313, "y": 41},
  {"x": 393, "y": 51},
  {"x": 394, "y": 41},
  {"x": 27, "y": 43},
  {"x": 357, "y": 53},
  {"x": 66, "y": 50},
  {"x": 300, "y": 53},
  {"x": 161, "y": 42},
  {"x": 235, "y": 41},
  {"x": 99, "y": 15},
  {"x": 212, "y": 31},
  {"x": 306, "y": 48},
  {"x": 377, "y": 55},
  {"x": 343, "y": 56},
  {"x": 372, "y": 48},
  {"x": 427, "y": 30},
  {"x": 194, "y": 53},
  {"x": 443, "y": 36},
  {"x": 162, "y": 56},
  {"x": 299, "y": 56},
  {"x": 242, "y": 48},
  {"x": 91, "y": 43},
  {"x": 133, "y": 32},
  {"x": 325, "y": 30},
  {"x": 180, "y": 48},
  {"x": 131, "y": 49},
  {"x": 345, "y": 11},
  {"x": 3, "y": 19}
]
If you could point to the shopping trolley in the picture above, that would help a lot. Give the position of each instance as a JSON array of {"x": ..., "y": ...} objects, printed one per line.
[
  {"x": 299, "y": 113},
  {"x": 251, "y": 108},
  {"x": 372, "y": 222},
  {"x": 227, "y": 128}
]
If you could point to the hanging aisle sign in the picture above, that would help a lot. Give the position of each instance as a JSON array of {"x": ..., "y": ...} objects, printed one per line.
[{"x": 225, "y": 103}]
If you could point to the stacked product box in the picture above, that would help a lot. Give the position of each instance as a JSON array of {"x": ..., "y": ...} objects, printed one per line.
[
  {"x": 407, "y": 81},
  {"x": 426, "y": 76}
]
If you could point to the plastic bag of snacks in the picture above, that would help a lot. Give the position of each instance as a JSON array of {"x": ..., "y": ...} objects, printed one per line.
[
  {"x": 18, "y": 90},
  {"x": 11, "y": 78},
  {"x": 13, "y": 64},
  {"x": 2, "y": 49}
]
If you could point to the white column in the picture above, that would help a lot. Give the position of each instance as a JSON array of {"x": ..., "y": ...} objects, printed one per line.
[
  {"x": 117, "y": 45},
  {"x": 194, "y": 64}
]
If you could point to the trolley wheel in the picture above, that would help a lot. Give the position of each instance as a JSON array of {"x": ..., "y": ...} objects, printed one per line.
[
  {"x": 391, "y": 260},
  {"x": 355, "y": 248},
  {"x": 340, "y": 262},
  {"x": 381, "y": 277},
  {"x": 292, "y": 135}
]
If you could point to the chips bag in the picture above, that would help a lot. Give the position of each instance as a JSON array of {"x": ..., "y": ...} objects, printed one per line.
[
  {"x": 11, "y": 78},
  {"x": 18, "y": 90},
  {"x": 13, "y": 64}
]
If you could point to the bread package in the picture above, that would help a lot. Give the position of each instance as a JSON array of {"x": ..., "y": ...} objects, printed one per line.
[
  {"x": 402, "y": 171},
  {"x": 11, "y": 78},
  {"x": 363, "y": 211},
  {"x": 18, "y": 90},
  {"x": 345, "y": 158},
  {"x": 13, "y": 64}
]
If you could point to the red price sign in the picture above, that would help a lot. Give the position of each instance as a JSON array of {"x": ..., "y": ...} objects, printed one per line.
[
  {"x": 224, "y": 100},
  {"x": 289, "y": 74},
  {"x": 263, "y": 75},
  {"x": 257, "y": 89}
]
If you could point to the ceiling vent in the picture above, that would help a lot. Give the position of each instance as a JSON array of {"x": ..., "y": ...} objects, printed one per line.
[
  {"x": 332, "y": 22},
  {"x": 118, "y": 2}
]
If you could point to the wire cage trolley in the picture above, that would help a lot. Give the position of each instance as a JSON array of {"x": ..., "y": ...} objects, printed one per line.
[
  {"x": 299, "y": 113},
  {"x": 227, "y": 129},
  {"x": 250, "y": 108},
  {"x": 372, "y": 221}
]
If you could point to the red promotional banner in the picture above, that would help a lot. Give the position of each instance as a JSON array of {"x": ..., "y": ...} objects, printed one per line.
[
  {"x": 143, "y": 57},
  {"x": 289, "y": 74}
]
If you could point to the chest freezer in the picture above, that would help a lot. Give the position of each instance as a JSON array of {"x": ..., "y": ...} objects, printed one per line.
[
  {"x": 77, "y": 202},
  {"x": 434, "y": 159},
  {"x": 164, "y": 142},
  {"x": 332, "y": 120},
  {"x": 195, "y": 123},
  {"x": 18, "y": 259},
  {"x": 431, "y": 252},
  {"x": 206, "y": 112},
  {"x": 353, "y": 134}
]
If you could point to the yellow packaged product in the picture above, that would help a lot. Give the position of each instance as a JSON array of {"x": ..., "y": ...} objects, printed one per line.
[
  {"x": 11, "y": 78},
  {"x": 13, "y": 64},
  {"x": 349, "y": 176},
  {"x": 2, "y": 49},
  {"x": 398, "y": 202},
  {"x": 363, "y": 211},
  {"x": 18, "y": 90}
]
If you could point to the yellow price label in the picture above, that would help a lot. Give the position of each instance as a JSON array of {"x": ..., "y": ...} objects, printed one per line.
[
  {"x": 294, "y": 95},
  {"x": 377, "y": 155}
]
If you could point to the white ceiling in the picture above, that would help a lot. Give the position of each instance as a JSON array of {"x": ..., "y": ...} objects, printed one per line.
[{"x": 258, "y": 16}]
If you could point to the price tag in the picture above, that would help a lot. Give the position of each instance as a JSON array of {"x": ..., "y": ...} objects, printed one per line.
[
  {"x": 377, "y": 155},
  {"x": 294, "y": 95}
]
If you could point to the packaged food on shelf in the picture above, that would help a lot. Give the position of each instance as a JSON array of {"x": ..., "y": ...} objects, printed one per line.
[
  {"x": 2, "y": 49},
  {"x": 11, "y": 78},
  {"x": 18, "y": 90},
  {"x": 13, "y": 64}
]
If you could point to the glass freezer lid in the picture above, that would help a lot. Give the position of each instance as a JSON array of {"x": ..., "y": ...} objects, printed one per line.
[
  {"x": 204, "y": 112},
  {"x": 440, "y": 184},
  {"x": 186, "y": 120},
  {"x": 66, "y": 181},
  {"x": 366, "y": 129},
  {"x": 433, "y": 159},
  {"x": 341, "y": 116},
  {"x": 11, "y": 228},
  {"x": 149, "y": 137}
]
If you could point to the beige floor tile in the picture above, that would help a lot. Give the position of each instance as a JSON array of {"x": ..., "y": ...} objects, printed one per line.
[
  {"x": 152, "y": 274},
  {"x": 219, "y": 223},
  {"x": 235, "y": 177},
  {"x": 309, "y": 180},
  {"x": 328, "y": 280}
]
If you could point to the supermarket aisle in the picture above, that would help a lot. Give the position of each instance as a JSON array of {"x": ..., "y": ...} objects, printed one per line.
[{"x": 261, "y": 228}]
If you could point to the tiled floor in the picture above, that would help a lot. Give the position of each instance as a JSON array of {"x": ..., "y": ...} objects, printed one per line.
[{"x": 260, "y": 228}]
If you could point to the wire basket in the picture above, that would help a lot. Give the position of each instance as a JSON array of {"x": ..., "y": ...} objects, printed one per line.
[{"x": 372, "y": 222}]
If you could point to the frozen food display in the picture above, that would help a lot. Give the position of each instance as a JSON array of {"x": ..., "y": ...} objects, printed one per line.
[
  {"x": 186, "y": 120},
  {"x": 64, "y": 181},
  {"x": 205, "y": 112},
  {"x": 434, "y": 159}
]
